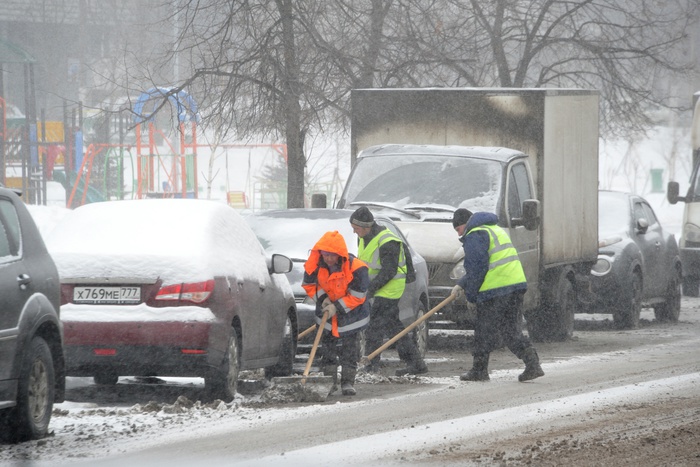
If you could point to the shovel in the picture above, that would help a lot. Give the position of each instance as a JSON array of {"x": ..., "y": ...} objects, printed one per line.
[
  {"x": 306, "y": 332},
  {"x": 365, "y": 360},
  {"x": 314, "y": 388}
]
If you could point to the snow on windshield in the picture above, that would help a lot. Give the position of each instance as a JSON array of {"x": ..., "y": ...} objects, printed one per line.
[
  {"x": 174, "y": 239},
  {"x": 613, "y": 214},
  {"x": 427, "y": 180}
]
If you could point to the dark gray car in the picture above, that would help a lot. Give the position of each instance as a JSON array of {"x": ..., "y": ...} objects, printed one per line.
[
  {"x": 638, "y": 262},
  {"x": 32, "y": 375},
  {"x": 293, "y": 232}
]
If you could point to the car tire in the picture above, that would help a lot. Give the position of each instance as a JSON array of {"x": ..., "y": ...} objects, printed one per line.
[
  {"x": 30, "y": 418},
  {"x": 554, "y": 321},
  {"x": 626, "y": 316},
  {"x": 670, "y": 310},
  {"x": 285, "y": 366},
  {"x": 106, "y": 378},
  {"x": 421, "y": 332},
  {"x": 223, "y": 384},
  {"x": 691, "y": 286}
]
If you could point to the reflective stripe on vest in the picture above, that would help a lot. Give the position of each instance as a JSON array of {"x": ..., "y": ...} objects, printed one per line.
[
  {"x": 370, "y": 255},
  {"x": 504, "y": 265}
]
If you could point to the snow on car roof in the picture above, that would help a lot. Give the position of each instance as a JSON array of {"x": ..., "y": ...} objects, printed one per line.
[{"x": 174, "y": 239}]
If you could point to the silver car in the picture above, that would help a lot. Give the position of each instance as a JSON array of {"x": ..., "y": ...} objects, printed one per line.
[{"x": 293, "y": 232}]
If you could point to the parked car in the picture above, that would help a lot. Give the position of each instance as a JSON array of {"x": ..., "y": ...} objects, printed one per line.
[
  {"x": 638, "y": 262},
  {"x": 295, "y": 231},
  {"x": 32, "y": 370},
  {"x": 171, "y": 287}
]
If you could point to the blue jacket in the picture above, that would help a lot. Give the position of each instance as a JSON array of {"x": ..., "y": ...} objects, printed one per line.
[{"x": 476, "y": 260}]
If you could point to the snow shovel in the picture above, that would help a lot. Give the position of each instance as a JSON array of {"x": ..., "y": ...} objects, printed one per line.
[
  {"x": 310, "y": 388},
  {"x": 365, "y": 360},
  {"x": 306, "y": 332}
]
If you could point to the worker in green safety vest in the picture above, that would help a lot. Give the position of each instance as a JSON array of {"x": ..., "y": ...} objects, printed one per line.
[
  {"x": 494, "y": 280},
  {"x": 388, "y": 264}
]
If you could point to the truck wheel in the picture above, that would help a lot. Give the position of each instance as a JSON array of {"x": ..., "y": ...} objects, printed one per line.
[
  {"x": 554, "y": 321},
  {"x": 223, "y": 384},
  {"x": 285, "y": 366},
  {"x": 670, "y": 310},
  {"x": 421, "y": 332},
  {"x": 691, "y": 286},
  {"x": 30, "y": 418},
  {"x": 626, "y": 316}
]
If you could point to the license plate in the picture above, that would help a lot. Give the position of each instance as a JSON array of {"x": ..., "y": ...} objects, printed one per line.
[{"x": 107, "y": 295}]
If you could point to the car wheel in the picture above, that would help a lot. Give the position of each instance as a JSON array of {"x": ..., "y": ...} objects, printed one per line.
[
  {"x": 554, "y": 321},
  {"x": 223, "y": 384},
  {"x": 421, "y": 332},
  {"x": 30, "y": 418},
  {"x": 106, "y": 378},
  {"x": 627, "y": 315},
  {"x": 285, "y": 366},
  {"x": 670, "y": 310},
  {"x": 691, "y": 286}
]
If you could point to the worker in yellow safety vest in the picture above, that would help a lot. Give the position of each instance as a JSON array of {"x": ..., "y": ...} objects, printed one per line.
[
  {"x": 494, "y": 280},
  {"x": 389, "y": 265}
]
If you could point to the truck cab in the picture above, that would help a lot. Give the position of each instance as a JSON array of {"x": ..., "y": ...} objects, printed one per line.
[{"x": 420, "y": 186}]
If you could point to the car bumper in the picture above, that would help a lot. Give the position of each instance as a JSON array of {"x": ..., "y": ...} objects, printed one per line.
[{"x": 138, "y": 340}]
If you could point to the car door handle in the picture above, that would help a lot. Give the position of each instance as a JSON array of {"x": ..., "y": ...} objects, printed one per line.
[{"x": 23, "y": 280}]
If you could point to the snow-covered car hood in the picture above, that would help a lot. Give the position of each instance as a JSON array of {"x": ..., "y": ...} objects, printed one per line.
[{"x": 437, "y": 242}]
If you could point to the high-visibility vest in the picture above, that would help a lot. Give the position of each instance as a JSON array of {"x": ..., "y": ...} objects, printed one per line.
[
  {"x": 504, "y": 265},
  {"x": 370, "y": 255}
]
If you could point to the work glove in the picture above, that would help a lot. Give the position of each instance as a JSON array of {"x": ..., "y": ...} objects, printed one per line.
[
  {"x": 330, "y": 309},
  {"x": 326, "y": 302},
  {"x": 471, "y": 307},
  {"x": 457, "y": 292}
]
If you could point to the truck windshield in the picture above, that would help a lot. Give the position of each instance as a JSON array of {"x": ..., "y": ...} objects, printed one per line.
[{"x": 426, "y": 180}]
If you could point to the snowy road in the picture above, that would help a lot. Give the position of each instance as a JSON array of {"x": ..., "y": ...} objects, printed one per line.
[{"x": 600, "y": 378}]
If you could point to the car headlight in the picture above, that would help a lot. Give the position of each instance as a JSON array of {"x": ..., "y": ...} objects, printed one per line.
[
  {"x": 608, "y": 241},
  {"x": 458, "y": 271},
  {"x": 601, "y": 267},
  {"x": 691, "y": 233}
]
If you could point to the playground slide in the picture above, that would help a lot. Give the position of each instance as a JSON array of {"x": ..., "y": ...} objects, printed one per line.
[{"x": 93, "y": 195}]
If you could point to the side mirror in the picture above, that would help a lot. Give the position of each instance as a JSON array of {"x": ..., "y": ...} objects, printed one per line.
[
  {"x": 672, "y": 191},
  {"x": 531, "y": 215},
  {"x": 318, "y": 200},
  {"x": 642, "y": 225},
  {"x": 280, "y": 264}
]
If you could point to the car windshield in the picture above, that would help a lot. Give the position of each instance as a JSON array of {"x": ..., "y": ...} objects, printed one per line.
[
  {"x": 422, "y": 180},
  {"x": 613, "y": 214}
]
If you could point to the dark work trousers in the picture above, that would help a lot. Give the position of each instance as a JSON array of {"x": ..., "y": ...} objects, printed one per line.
[
  {"x": 384, "y": 322},
  {"x": 498, "y": 323},
  {"x": 344, "y": 351}
]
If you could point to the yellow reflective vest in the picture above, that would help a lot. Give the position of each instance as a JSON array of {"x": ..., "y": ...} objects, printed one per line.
[
  {"x": 370, "y": 255},
  {"x": 504, "y": 265}
]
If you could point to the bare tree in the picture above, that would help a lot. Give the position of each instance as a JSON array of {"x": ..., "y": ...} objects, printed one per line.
[{"x": 622, "y": 47}]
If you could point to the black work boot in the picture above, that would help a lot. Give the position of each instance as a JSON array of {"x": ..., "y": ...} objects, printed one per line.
[
  {"x": 532, "y": 365},
  {"x": 416, "y": 368},
  {"x": 347, "y": 380},
  {"x": 479, "y": 371},
  {"x": 332, "y": 371}
]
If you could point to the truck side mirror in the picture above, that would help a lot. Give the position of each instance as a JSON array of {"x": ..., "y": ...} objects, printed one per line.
[
  {"x": 672, "y": 193},
  {"x": 531, "y": 215},
  {"x": 318, "y": 200}
]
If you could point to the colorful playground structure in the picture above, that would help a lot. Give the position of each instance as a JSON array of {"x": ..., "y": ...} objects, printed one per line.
[{"x": 150, "y": 150}]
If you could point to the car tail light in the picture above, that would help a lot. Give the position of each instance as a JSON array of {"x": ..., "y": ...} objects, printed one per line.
[
  {"x": 195, "y": 292},
  {"x": 104, "y": 352}
]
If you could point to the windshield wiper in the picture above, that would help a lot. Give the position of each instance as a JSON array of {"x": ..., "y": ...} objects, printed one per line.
[
  {"x": 430, "y": 207},
  {"x": 382, "y": 205}
]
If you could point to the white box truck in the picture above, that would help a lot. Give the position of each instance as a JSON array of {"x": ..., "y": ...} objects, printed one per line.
[
  {"x": 528, "y": 155},
  {"x": 689, "y": 243}
]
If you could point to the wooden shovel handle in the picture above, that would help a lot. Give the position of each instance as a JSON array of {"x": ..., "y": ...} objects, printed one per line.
[
  {"x": 409, "y": 328},
  {"x": 315, "y": 346},
  {"x": 306, "y": 331}
]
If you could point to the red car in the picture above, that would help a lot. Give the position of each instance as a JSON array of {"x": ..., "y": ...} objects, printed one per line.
[{"x": 171, "y": 287}]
